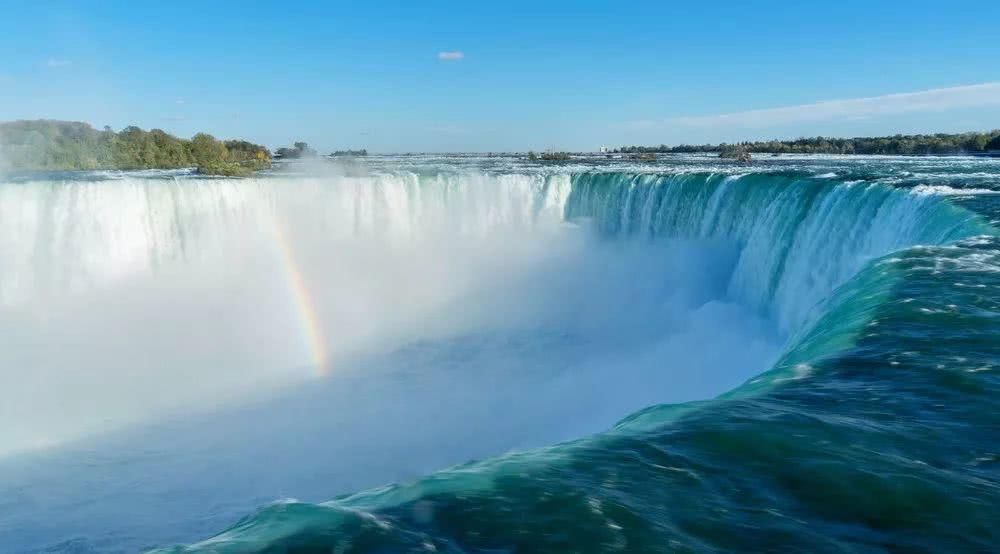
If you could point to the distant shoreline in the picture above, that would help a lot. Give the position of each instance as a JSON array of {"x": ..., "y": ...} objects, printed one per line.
[{"x": 939, "y": 144}]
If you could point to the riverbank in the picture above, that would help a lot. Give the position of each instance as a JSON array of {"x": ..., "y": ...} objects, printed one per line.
[{"x": 49, "y": 145}]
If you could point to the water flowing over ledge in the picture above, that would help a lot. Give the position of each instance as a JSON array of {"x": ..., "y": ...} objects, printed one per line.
[
  {"x": 833, "y": 451},
  {"x": 800, "y": 237},
  {"x": 804, "y": 251}
]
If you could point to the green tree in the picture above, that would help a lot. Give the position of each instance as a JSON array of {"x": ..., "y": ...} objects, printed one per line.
[
  {"x": 47, "y": 144},
  {"x": 205, "y": 149}
]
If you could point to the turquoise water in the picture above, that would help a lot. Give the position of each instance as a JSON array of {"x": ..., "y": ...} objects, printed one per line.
[{"x": 872, "y": 427}]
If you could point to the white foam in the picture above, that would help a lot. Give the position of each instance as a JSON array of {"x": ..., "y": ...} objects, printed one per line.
[{"x": 945, "y": 190}]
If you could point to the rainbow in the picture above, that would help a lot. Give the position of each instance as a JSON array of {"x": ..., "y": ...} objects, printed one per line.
[{"x": 309, "y": 321}]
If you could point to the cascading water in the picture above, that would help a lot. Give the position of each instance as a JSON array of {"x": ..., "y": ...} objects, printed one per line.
[
  {"x": 225, "y": 343},
  {"x": 800, "y": 236},
  {"x": 171, "y": 283}
]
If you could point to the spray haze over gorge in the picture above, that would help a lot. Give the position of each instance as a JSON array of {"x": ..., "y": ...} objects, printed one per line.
[
  {"x": 289, "y": 278},
  {"x": 323, "y": 329}
]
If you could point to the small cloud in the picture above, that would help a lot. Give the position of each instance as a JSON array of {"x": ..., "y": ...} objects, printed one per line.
[
  {"x": 55, "y": 62},
  {"x": 452, "y": 56},
  {"x": 179, "y": 101}
]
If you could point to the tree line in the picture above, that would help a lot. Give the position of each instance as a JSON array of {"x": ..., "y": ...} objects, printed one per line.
[
  {"x": 549, "y": 156},
  {"x": 936, "y": 144},
  {"x": 69, "y": 145},
  {"x": 298, "y": 150}
]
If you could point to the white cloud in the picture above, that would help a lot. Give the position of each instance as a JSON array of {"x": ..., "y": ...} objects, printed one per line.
[
  {"x": 453, "y": 56},
  {"x": 179, "y": 102},
  {"x": 934, "y": 100},
  {"x": 55, "y": 62}
]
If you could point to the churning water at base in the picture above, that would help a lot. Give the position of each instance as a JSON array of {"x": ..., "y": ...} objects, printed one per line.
[{"x": 181, "y": 352}]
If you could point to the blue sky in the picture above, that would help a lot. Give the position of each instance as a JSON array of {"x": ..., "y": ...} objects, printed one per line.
[{"x": 481, "y": 76}]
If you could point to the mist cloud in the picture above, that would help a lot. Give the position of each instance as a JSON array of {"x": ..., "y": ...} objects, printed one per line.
[{"x": 165, "y": 298}]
